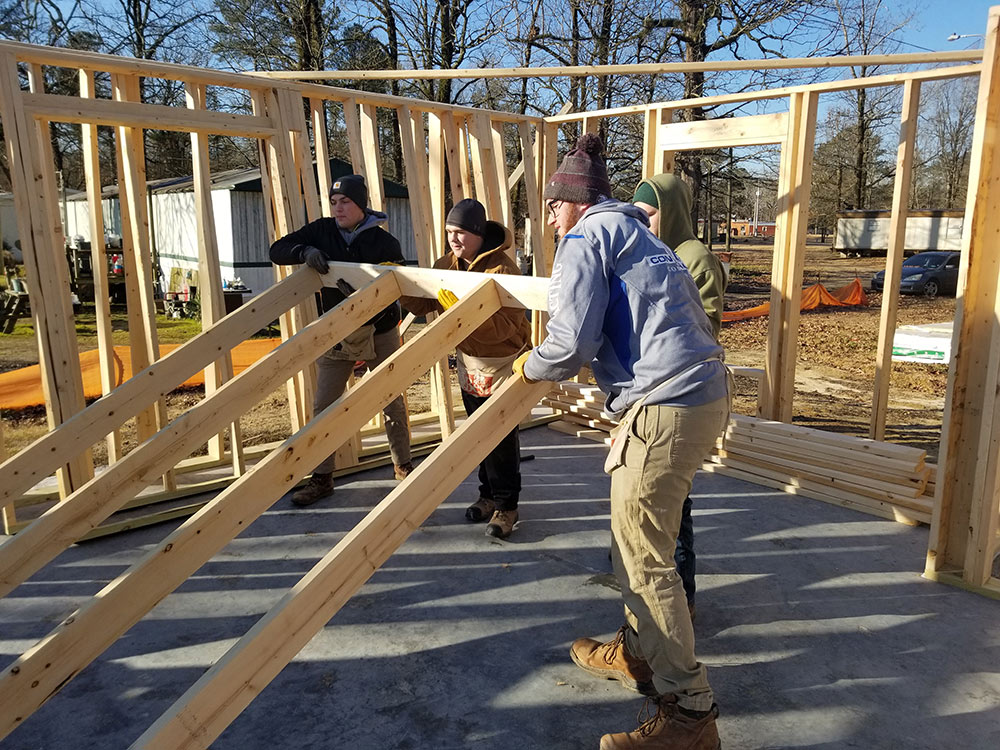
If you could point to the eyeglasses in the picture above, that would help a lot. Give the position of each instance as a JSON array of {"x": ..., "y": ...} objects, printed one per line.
[{"x": 553, "y": 206}]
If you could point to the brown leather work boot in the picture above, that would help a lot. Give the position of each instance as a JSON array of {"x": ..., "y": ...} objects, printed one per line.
[
  {"x": 671, "y": 728},
  {"x": 318, "y": 486},
  {"x": 481, "y": 510},
  {"x": 501, "y": 524},
  {"x": 403, "y": 471},
  {"x": 613, "y": 661}
]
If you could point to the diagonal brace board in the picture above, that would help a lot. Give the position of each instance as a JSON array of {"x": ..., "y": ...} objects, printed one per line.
[
  {"x": 45, "y": 668},
  {"x": 22, "y": 471},
  {"x": 79, "y": 513},
  {"x": 212, "y": 703}
]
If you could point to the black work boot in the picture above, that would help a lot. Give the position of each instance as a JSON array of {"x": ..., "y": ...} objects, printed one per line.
[{"x": 318, "y": 486}]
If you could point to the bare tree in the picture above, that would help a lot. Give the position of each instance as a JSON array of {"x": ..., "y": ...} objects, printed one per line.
[
  {"x": 275, "y": 34},
  {"x": 697, "y": 29},
  {"x": 947, "y": 138},
  {"x": 866, "y": 28}
]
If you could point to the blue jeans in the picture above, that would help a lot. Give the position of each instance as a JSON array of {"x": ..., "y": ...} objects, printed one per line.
[{"x": 684, "y": 557}]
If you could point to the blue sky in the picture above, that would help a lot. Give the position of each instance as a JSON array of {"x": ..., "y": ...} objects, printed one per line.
[{"x": 936, "y": 19}]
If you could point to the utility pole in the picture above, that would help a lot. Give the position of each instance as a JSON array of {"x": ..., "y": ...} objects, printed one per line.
[
  {"x": 756, "y": 210},
  {"x": 729, "y": 205}
]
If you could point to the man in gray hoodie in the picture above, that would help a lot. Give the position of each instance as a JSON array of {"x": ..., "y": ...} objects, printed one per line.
[{"x": 621, "y": 300}]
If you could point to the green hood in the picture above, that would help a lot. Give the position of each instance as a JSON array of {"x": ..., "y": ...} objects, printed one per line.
[
  {"x": 673, "y": 204},
  {"x": 673, "y": 201}
]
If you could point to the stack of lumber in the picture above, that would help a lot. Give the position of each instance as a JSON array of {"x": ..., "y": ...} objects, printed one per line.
[
  {"x": 879, "y": 478},
  {"x": 882, "y": 479},
  {"x": 583, "y": 416}
]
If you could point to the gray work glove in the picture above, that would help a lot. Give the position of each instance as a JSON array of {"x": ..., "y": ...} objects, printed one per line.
[{"x": 314, "y": 258}]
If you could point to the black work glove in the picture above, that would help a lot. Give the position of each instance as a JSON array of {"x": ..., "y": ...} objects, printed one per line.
[
  {"x": 346, "y": 289},
  {"x": 314, "y": 258}
]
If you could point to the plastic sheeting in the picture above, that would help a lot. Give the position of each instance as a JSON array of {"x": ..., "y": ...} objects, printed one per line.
[
  {"x": 23, "y": 388},
  {"x": 813, "y": 297}
]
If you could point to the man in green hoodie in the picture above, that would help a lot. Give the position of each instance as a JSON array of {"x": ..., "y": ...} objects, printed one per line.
[{"x": 667, "y": 201}]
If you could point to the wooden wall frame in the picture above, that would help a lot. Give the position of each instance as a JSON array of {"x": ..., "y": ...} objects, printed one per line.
[{"x": 466, "y": 147}]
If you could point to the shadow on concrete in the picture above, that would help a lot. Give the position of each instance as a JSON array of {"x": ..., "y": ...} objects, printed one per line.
[{"x": 816, "y": 627}]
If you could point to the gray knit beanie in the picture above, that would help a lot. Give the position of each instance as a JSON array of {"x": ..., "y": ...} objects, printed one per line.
[{"x": 582, "y": 176}]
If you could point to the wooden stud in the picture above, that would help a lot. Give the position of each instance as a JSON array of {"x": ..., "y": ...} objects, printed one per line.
[
  {"x": 484, "y": 164},
  {"x": 464, "y": 164},
  {"x": 134, "y": 206},
  {"x": 457, "y": 157},
  {"x": 501, "y": 188},
  {"x": 436, "y": 182},
  {"x": 352, "y": 123},
  {"x": 99, "y": 259},
  {"x": 275, "y": 215},
  {"x": 794, "y": 182},
  {"x": 373, "y": 156},
  {"x": 412, "y": 139},
  {"x": 894, "y": 257},
  {"x": 317, "y": 111},
  {"x": 289, "y": 216},
  {"x": 210, "y": 286},
  {"x": 41, "y": 236},
  {"x": 441, "y": 395},
  {"x": 650, "y": 134},
  {"x": 550, "y": 162},
  {"x": 7, "y": 513},
  {"x": 291, "y": 110},
  {"x": 965, "y": 521},
  {"x": 533, "y": 195}
]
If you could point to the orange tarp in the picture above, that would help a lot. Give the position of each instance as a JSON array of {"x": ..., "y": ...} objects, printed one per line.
[
  {"x": 813, "y": 297},
  {"x": 23, "y": 388}
]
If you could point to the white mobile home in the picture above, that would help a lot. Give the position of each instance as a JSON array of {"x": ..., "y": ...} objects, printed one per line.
[
  {"x": 867, "y": 232},
  {"x": 237, "y": 201}
]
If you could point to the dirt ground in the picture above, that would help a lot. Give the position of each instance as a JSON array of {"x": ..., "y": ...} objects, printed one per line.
[
  {"x": 836, "y": 350},
  {"x": 836, "y": 360}
]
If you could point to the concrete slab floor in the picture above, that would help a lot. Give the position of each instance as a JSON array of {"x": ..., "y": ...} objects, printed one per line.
[{"x": 815, "y": 624}]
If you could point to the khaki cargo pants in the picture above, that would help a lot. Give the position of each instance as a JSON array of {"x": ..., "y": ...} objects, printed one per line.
[
  {"x": 665, "y": 446},
  {"x": 332, "y": 374}
]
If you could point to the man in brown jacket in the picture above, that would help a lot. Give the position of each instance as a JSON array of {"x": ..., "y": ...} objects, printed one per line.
[{"x": 485, "y": 357}]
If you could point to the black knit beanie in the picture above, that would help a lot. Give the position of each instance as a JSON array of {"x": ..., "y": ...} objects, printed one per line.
[
  {"x": 468, "y": 214},
  {"x": 582, "y": 176},
  {"x": 353, "y": 186}
]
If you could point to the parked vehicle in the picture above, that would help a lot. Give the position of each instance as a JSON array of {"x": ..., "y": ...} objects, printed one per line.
[{"x": 930, "y": 274}]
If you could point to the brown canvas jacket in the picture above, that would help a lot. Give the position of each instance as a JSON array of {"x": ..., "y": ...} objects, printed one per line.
[{"x": 507, "y": 332}]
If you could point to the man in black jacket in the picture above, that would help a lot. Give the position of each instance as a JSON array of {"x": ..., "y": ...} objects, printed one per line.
[{"x": 354, "y": 235}]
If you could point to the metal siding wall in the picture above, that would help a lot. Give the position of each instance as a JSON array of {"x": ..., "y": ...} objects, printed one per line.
[
  {"x": 250, "y": 244},
  {"x": 401, "y": 226}
]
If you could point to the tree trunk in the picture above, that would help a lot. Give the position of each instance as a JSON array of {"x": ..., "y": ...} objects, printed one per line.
[{"x": 860, "y": 149}]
